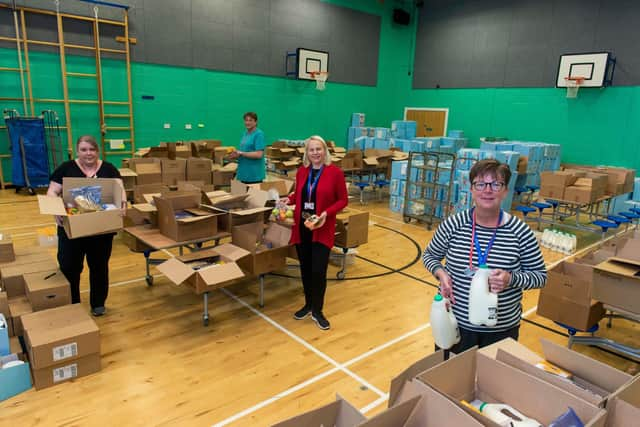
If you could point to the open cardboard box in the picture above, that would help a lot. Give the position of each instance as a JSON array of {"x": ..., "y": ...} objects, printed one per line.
[
  {"x": 128, "y": 178},
  {"x": 268, "y": 246},
  {"x": 222, "y": 175},
  {"x": 47, "y": 290},
  {"x": 400, "y": 380},
  {"x": 616, "y": 282},
  {"x": 566, "y": 298},
  {"x": 140, "y": 190},
  {"x": 91, "y": 223},
  {"x": 282, "y": 186},
  {"x": 173, "y": 171},
  {"x": 623, "y": 407},
  {"x": 592, "y": 381},
  {"x": 199, "y": 221},
  {"x": 210, "y": 273},
  {"x": 472, "y": 375},
  {"x": 336, "y": 414},
  {"x": 243, "y": 207},
  {"x": 418, "y": 405},
  {"x": 352, "y": 229},
  {"x": 148, "y": 173},
  {"x": 199, "y": 170}
]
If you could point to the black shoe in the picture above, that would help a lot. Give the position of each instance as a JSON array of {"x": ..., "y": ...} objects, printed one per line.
[
  {"x": 98, "y": 311},
  {"x": 321, "y": 321},
  {"x": 302, "y": 313}
]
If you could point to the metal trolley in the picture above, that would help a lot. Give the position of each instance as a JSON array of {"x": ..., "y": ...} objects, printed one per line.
[{"x": 430, "y": 177}]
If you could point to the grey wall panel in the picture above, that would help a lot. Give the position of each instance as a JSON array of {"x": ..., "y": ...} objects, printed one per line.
[
  {"x": 247, "y": 36},
  {"x": 517, "y": 43}
]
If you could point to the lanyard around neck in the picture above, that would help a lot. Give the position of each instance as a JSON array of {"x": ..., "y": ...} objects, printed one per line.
[
  {"x": 312, "y": 185},
  {"x": 482, "y": 256}
]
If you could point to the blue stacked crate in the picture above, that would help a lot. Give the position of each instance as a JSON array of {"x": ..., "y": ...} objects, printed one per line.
[
  {"x": 357, "y": 119},
  {"x": 534, "y": 153},
  {"x": 401, "y": 144},
  {"x": 382, "y": 133},
  {"x": 636, "y": 189},
  {"x": 431, "y": 143},
  {"x": 488, "y": 145},
  {"x": 403, "y": 129},
  {"x": 552, "y": 154},
  {"x": 455, "y": 134},
  {"x": 380, "y": 144},
  {"x": 397, "y": 185},
  {"x": 449, "y": 144},
  {"x": 355, "y": 133},
  {"x": 358, "y": 144},
  {"x": 509, "y": 158},
  {"x": 417, "y": 146},
  {"x": 368, "y": 143},
  {"x": 371, "y": 132}
]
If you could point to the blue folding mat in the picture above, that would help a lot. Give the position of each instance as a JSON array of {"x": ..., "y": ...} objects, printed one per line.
[{"x": 29, "y": 153}]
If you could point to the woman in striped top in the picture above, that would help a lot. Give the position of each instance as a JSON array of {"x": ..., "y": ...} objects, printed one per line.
[{"x": 486, "y": 234}]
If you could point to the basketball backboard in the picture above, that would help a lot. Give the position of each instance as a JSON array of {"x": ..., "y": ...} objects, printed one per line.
[
  {"x": 308, "y": 62},
  {"x": 596, "y": 68}
]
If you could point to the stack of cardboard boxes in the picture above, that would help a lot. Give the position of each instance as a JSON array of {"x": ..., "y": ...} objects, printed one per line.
[
  {"x": 61, "y": 339},
  {"x": 435, "y": 392},
  {"x": 283, "y": 158},
  {"x": 584, "y": 185}
]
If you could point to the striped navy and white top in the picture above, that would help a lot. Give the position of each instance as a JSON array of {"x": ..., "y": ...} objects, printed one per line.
[{"x": 515, "y": 250}]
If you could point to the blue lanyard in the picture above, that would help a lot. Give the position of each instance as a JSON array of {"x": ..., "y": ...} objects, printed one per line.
[
  {"x": 310, "y": 185},
  {"x": 482, "y": 256}
]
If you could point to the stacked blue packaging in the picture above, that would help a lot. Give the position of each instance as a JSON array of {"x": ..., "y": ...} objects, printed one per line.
[
  {"x": 636, "y": 189},
  {"x": 399, "y": 169},
  {"x": 455, "y": 134},
  {"x": 368, "y": 143},
  {"x": 430, "y": 143},
  {"x": 357, "y": 119},
  {"x": 510, "y": 158},
  {"x": 396, "y": 204},
  {"x": 380, "y": 144},
  {"x": 397, "y": 187},
  {"x": 417, "y": 146},
  {"x": 403, "y": 129},
  {"x": 358, "y": 144},
  {"x": 382, "y": 133},
  {"x": 456, "y": 143},
  {"x": 356, "y": 132}
]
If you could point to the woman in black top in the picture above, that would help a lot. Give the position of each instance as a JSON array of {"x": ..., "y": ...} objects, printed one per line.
[{"x": 97, "y": 249}]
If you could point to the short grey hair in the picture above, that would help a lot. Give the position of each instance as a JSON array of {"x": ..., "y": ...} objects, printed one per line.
[{"x": 327, "y": 155}]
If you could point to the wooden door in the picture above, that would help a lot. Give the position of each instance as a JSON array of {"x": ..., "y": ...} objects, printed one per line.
[{"x": 429, "y": 122}]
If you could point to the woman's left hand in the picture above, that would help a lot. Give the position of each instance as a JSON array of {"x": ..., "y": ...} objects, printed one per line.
[
  {"x": 499, "y": 280},
  {"x": 322, "y": 218}
]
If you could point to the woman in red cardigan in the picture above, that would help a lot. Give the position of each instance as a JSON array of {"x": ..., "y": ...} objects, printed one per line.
[{"x": 320, "y": 193}]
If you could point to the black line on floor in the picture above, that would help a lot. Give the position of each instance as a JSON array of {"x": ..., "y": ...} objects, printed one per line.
[{"x": 545, "y": 327}]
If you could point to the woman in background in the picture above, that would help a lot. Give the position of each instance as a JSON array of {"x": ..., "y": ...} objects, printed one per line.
[{"x": 250, "y": 152}]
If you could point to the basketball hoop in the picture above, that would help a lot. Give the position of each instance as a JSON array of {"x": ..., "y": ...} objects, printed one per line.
[
  {"x": 320, "y": 77},
  {"x": 573, "y": 86}
]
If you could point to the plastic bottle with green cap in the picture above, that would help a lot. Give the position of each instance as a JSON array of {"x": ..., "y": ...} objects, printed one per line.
[
  {"x": 443, "y": 323},
  {"x": 504, "y": 415},
  {"x": 483, "y": 304}
]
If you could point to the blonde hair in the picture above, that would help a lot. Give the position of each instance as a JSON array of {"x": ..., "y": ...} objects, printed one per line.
[{"x": 327, "y": 155}]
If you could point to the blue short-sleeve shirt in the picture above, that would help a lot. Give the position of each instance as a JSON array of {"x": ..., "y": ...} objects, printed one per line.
[{"x": 251, "y": 170}]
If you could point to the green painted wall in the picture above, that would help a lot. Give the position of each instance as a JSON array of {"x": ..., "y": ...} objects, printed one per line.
[
  {"x": 287, "y": 108},
  {"x": 600, "y": 127}
]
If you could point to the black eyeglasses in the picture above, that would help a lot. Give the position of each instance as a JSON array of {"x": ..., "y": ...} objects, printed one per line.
[{"x": 481, "y": 185}]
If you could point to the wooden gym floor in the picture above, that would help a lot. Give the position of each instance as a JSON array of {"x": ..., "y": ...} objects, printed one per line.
[{"x": 255, "y": 366}]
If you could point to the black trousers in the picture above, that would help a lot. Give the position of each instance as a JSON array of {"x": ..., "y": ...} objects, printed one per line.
[
  {"x": 314, "y": 260},
  {"x": 71, "y": 254},
  {"x": 470, "y": 339}
]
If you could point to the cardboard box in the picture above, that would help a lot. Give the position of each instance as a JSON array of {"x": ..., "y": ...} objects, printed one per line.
[
  {"x": 420, "y": 405},
  {"x": 28, "y": 255},
  {"x": 4, "y": 305},
  {"x": 242, "y": 207},
  {"x": 282, "y": 186},
  {"x": 128, "y": 178},
  {"x": 7, "y": 253},
  {"x": 616, "y": 282},
  {"x": 47, "y": 290},
  {"x": 19, "y": 307},
  {"x": 566, "y": 297},
  {"x": 198, "y": 222},
  {"x": 623, "y": 407},
  {"x": 199, "y": 170},
  {"x": 581, "y": 194},
  {"x": 13, "y": 380},
  {"x": 60, "y": 335},
  {"x": 352, "y": 229},
  {"x": 472, "y": 375},
  {"x": 592, "y": 381},
  {"x": 16, "y": 348},
  {"x": 336, "y": 414},
  {"x": 203, "y": 271},
  {"x": 62, "y": 372},
  {"x": 86, "y": 224},
  {"x": 12, "y": 276},
  {"x": 400, "y": 380},
  {"x": 173, "y": 171},
  {"x": 148, "y": 172},
  {"x": 222, "y": 175},
  {"x": 553, "y": 184},
  {"x": 140, "y": 190},
  {"x": 268, "y": 246}
]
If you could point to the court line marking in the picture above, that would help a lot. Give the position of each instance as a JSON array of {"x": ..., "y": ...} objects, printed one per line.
[{"x": 28, "y": 226}]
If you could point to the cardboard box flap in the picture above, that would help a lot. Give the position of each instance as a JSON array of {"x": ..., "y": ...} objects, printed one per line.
[
  {"x": 144, "y": 207},
  {"x": 277, "y": 234},
  {"x": 370, "y": 161},
  {"x": 464, "y": 365},
  {"x": 192, "y": 219},
  {"x": 50, "y": 205},
  {"x": 126, "y": 172},
  {"x": 175, "y": 270},
  {"x": 630, "y": 250},
  {"x": 232, "y": 252},
  {"x": 150, "y": 196},
  {"x": 630, "y": 393},
  {"x": 339, "y": 414},
  {"x": 597, "y": 373},
  {"x": 257, "y": 198},
  {"x": 396, "y": 416},
  {"x": 412, "y": 371},
  {"x": 147, "y": 168},
  {"x": 620, "y": 267},
  {"x": 513, "y": 347},
  {"x": 238, "y": 187},
  {"x": 222, "y": 201},
  {"x": 220, "y": 273},
  {"x": 197, "y": 211},
  {"x": 621, "y": 413}
]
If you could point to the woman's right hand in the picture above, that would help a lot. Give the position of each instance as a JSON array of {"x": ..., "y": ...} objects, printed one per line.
[{"x": 446, "y": 285}]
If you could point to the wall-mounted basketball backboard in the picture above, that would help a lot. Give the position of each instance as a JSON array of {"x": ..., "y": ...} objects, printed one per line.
[
  {"x": 596, "y": 69},
  {"x": 307, "y": 62}
]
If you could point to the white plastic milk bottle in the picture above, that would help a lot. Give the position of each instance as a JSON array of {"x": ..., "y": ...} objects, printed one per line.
[
  {"x": 504, "y": 415},
  {"x": 443, "y": 324},
  {"x": 483, "y": 304}
]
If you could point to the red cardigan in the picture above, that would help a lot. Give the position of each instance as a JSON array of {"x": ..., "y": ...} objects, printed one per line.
[{"x": 331, "y": 196}]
